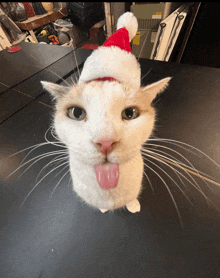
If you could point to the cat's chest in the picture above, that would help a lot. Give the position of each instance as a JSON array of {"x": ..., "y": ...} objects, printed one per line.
[{"x": 86, "y": 186}]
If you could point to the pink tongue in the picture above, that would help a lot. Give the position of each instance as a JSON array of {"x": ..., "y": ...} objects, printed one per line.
[{"x": 107, "y": 175}]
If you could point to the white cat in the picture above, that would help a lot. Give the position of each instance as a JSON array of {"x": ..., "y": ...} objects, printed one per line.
[{"x": 104, "y": 120}]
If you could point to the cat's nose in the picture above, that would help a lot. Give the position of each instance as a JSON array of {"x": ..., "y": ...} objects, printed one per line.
[{"x": 106, "y": 145}]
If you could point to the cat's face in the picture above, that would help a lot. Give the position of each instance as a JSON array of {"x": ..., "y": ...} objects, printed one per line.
[{"x": 87, "y": 113}]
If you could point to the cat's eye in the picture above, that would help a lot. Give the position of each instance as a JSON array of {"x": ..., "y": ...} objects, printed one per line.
[
  {"x": 76, "y": 113},
  {"x": 130, "y": 113}
]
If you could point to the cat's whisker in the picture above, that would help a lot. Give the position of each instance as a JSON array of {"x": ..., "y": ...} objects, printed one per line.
[
  {"x": 40, "y": 182},
  {"x": 154, "y": 153},
  {"x": 40, "y": 145},
  {"x": 184, "y": 148},
  {"x": 174, "y": 162},
  {"x": 167, "y": 155},
  {"x": 146, "y": 74},
  {"x": 166, "y": 173},
  {"x": 41, "y": 156},
  {"x": 52, "y": 73},
  {"x": 51, "y": 142},
  {"x": 73, "y": 81},
  {"x": 180, "y": 163},
  {"x": 33, "y": 146},
  {"x": 61, "y": 144},
  {"x": 69, "y": 180},
  {"x": 76, "y": 65},
  {"x": 58, "y": 158},
  {"x": 52, "y": 131},
  {"x": 34, "y": 163},
  {"x": 170, "y": 193},
  {"x": 193, "y": 170},
  {"x": 56, "y": 143},
  {"x": 57, "y": 174},
  {"x": 31, "y": 152},
  {"x": 142, "y": 47},
  {"x": 179, "y": 143},
  {"x": 59, "y": 181},
  {"x": 151, "y": 186},
  {"x": 196, "y": 186},
  {"x": 168, "y": 159},
  {"x": 178, "y": 153},
  {"x": 67, "y": 83}
]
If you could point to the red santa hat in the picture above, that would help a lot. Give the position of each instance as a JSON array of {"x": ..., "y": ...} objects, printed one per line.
[{"x": 114, "y": 61}]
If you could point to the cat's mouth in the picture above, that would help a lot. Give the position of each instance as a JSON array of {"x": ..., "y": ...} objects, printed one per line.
[{"x": 107, "y": 175}]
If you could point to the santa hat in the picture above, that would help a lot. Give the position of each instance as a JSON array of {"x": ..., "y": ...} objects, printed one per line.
[{"x": 114, "y": 61}]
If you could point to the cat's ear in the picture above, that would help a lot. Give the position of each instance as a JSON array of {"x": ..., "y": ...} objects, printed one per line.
[
  {"x": 55, "y": 90},
  {"x": 155, "y": 88}
]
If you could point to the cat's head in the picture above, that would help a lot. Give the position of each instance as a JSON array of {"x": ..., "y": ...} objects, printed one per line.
[{"x": 91, "y": 113}]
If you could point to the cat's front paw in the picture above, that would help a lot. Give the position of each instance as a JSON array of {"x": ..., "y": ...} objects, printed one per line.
[
  {"x": 103, "y": 210},
  {"x": 134, "y": 206}
]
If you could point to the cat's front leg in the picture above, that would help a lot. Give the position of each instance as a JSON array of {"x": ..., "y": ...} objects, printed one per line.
[{"x": 134, "y": 206}]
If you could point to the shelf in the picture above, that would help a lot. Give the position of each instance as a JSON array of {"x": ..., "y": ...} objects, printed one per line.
[
  {"x": 40, "y": 20},
  {"x": 22, "y": 37}
]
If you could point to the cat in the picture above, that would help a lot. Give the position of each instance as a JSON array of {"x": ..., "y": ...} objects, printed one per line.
[
  {"x": 85, "y": 116},
  {"x": 105, "y": 122}
]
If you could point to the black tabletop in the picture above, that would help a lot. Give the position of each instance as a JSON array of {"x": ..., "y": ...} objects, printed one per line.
[
  {"x": 22, "y": 71},
  {"x": 32, "y": 58},
  {"x": 54, "y": 234}
]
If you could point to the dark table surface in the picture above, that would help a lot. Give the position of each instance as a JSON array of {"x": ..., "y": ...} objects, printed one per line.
[
  {"x": 57, "y": 235},
  {"x": 21, "y": 72},
  {"x": 21, "y": 65}
]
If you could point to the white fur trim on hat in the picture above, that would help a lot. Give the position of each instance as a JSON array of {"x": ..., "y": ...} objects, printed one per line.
[
  {"x": 112, "y": 62},
  {"x": 129, "y": 21}
]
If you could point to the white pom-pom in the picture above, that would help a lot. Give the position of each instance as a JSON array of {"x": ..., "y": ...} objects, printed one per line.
[{"x": 129, "y": 21}]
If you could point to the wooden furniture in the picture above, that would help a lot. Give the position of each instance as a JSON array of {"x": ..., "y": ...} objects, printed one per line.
[
  {"x": 4, "y": 40},
  {"x": 40, "y": 20}
]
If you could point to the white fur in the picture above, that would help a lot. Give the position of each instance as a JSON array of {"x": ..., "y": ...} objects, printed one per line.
[
  {"x": 104, "y": 103},
  {"x": 86, "y": 185},
  {"x": 129, "y": 21},
  {"x": 113, "y": 62}
]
